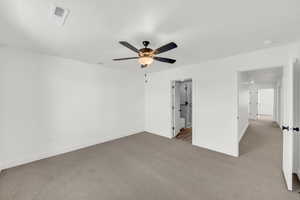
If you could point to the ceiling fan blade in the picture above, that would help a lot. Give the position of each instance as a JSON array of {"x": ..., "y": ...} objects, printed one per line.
[
  {"x": 165, "y": 48},
  {"x": 167, "y": 60},
  {"x": 129, "y": 46},
  {"x": 143, "y": 66},
  {"x": 130, "y": 58}
]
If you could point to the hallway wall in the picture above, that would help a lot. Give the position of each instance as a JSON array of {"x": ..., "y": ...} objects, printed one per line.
[
  {"x": 243, "y": 104},
  {"x": 277, "y": 103},
  {"x": 253, "y": 101}
]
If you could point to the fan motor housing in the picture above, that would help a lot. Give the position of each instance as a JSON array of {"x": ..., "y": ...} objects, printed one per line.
[
  {"x": 146, "y": 52},
  {"x": 146, "y": 43}
]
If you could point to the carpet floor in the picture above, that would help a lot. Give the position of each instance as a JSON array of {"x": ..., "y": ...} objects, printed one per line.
[{"x": 150, "y": 167}]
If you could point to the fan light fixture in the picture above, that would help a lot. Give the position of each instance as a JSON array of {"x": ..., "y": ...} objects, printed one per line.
[
  {"x": 146, "y": 55},
  {"x": 145, "y": 60}
]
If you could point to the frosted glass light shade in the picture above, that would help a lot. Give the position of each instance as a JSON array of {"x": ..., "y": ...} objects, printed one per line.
[{"x": 145, "y": 60}]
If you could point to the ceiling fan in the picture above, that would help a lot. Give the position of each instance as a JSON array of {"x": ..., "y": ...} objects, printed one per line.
[{"x": 147, "y": 55}]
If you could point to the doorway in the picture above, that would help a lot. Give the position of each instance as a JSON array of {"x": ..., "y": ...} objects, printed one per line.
[
  {"x": 182, "y": 107},
  {"x": 266, "y": 104},
  {"x": 271, "y": 118},
  {"x": 260, "y": 99}
]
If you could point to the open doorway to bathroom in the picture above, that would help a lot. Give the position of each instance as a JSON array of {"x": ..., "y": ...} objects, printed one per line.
[{"x": 182, "y": 110}]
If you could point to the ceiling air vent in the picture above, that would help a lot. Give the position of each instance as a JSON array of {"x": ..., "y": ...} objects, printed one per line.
[{"x": 59, "y": 14}]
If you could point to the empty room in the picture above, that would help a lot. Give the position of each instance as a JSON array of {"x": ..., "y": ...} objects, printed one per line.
[{"x": 111, "y": 99}]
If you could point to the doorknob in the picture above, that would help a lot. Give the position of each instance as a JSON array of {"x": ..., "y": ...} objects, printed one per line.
[
  {"x": 285, "y": 128},
  {"x": 296, "y": 129}
]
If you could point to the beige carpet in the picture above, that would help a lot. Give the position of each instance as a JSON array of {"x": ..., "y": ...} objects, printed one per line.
[{"x": 150, "y": 167}]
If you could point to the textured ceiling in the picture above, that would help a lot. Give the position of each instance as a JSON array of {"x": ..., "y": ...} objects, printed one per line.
[{"x": 203, "y": 29}]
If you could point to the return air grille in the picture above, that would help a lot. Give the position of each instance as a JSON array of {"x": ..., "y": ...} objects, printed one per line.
[{"x": 59, "y": 14}]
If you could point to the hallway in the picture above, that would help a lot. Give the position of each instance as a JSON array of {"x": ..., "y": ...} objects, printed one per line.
[{"x": 263, "y": 138}]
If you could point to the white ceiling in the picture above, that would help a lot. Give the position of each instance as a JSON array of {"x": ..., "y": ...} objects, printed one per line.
[{"x": 203, "y": 29}]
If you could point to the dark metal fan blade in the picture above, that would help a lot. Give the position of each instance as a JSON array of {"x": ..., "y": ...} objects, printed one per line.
[
  {"x": 165, "y": 48},
  {"x": 117, "y": 59},
  {"x": 143, "y": 66},
  {"x": 167, "y": 60},
  {"x": 129, "y": 46}
]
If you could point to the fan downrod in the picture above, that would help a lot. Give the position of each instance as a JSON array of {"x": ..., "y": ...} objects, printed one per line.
[{"x": 146, "y": 43}]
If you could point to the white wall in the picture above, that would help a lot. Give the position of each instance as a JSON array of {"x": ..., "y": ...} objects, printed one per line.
[
  {"x": 266, "y": 101},
  {"x": 214, "y": 97},
  {"x": 243, "y": 104},
  {"x": 296, "y": 120},
  {"x": 253, "y": 102},
  {"x": 49, "y": 105},
  {"x": 277, "y": 103}
]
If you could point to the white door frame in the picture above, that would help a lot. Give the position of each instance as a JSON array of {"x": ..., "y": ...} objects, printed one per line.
[
  {"x": 173, "y": 108},
  {"x": 237, "y": 74}
]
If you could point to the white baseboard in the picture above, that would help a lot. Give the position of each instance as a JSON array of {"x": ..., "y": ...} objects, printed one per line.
[
  {"x": 44, "y": 155},
  {"x": 215, "y": 149},
  {"x": 244, "y": 131},
  {"x": 170, "y": 136}
]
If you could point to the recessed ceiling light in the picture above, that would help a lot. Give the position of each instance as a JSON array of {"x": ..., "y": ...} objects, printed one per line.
[{"x": 268, "y": 42}]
